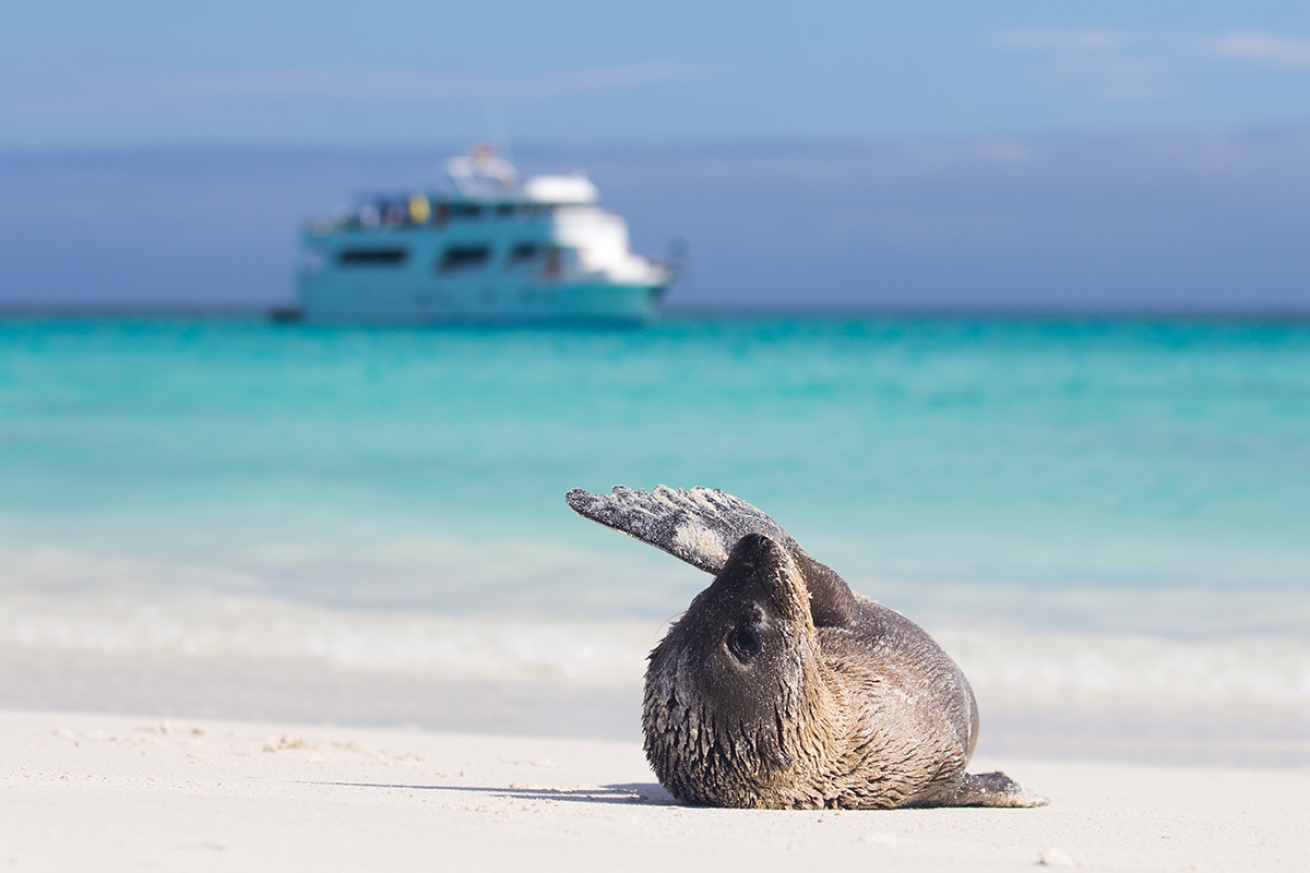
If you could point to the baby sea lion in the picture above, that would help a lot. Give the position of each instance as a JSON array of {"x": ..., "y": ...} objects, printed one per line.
[{"x": 781, "y": 689}]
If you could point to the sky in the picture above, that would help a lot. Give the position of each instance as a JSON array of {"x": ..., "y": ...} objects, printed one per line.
[
  {"x": 1145, "y": 155},
  {"x": 85, "y": 74}
]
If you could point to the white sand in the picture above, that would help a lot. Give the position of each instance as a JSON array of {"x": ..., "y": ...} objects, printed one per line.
[{"x": 107, "y": 792}]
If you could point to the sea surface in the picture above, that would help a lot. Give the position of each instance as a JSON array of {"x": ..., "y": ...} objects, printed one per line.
[{"x": 1091, "y": 510}]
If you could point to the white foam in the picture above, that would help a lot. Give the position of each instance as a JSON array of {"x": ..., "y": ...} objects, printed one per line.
[
  {"x": 1135, "y": 667},
  {"x": 231, "y": 626},
  {"x": 1078, "y": 666},
  {"x": 427, "y": 574}
]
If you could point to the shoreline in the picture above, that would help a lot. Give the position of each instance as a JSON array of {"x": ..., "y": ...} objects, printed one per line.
[
  {"x": 1226, "y": 732},
  {"x": 109, "y": 792}
]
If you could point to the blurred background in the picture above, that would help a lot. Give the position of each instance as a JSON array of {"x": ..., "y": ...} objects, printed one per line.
[
  {"x": 1134, "y": 157},
  {"x": 1001, "y": 309}
]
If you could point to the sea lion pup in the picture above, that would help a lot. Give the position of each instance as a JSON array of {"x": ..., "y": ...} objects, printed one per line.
[{"x": 781, "y": 689}]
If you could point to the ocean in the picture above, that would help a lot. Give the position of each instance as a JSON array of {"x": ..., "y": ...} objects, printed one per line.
[{"x": 1094, "y": 514}]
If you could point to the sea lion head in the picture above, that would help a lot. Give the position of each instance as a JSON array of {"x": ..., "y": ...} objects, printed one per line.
[{"x": 733, "y": 683}]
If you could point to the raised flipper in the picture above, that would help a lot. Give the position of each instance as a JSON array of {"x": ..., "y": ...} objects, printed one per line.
[
  {"x": 994, "y": 789},
  {"x": 701, "y": 526}
]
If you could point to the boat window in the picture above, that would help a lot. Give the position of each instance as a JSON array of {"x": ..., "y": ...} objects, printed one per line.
[
  {"x": 465, "y": 210},
  {"x": 372, "y": 257},
  {"x": 523, "y": 253},
  {"x": 464, "y": 258}
]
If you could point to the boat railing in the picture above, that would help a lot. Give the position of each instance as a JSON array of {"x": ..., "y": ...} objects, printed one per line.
[{"x": 424, "y": 211}]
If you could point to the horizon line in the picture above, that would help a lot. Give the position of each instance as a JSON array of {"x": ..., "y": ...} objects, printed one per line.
[{"x": 275, "y": 313}]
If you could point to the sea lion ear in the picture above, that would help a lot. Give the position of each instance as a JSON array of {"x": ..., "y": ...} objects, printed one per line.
[
  {"x": 831, "y": 602},
  {"x": 699, "y": 526}
]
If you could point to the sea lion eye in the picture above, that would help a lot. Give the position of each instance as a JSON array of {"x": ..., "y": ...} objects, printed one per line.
[{"x": 744, "y": 643}]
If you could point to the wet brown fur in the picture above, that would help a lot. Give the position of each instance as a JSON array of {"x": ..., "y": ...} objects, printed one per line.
[{"x": 867, "y": 713}]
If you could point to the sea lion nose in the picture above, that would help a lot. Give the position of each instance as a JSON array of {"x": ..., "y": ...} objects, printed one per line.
[
  {"x": 757, "y": 554},
  {"x": 756, "y": 559},
  {"x": 752, "y": 547}
]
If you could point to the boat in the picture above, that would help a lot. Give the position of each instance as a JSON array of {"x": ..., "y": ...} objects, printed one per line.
[{"x": 487, "y": 248}]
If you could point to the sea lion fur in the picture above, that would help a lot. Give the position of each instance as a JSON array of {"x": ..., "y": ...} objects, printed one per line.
[{"x": 780, "y": 688}]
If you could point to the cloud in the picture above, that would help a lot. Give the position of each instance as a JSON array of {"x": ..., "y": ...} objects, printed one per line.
[
  {"x": 54, "y": 90},
  {"x": 1262, "y": 48},
  {"x": 1098, "y": 58}
]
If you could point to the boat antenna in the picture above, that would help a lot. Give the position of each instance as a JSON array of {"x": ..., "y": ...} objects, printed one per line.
[{"x": 498, "y": 131}]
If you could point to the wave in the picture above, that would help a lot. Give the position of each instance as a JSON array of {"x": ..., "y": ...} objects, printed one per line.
[{"x": 1013, "y": 663}]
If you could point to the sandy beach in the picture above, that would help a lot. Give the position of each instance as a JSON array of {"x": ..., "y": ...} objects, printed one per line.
[{"x": 102, "y": 792}]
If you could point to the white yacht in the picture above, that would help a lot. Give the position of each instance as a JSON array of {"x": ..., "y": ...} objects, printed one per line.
[{"x": 486, "y": 249}]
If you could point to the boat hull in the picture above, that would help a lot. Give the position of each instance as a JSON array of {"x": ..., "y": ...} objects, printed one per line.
[{"x": 337, "y": 299}]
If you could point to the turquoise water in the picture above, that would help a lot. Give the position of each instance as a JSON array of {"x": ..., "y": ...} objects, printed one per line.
[{"x": 1067, "y": 477}]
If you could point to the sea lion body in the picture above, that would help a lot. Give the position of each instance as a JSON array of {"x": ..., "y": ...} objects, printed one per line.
[{"x": 780, "y": 688}]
